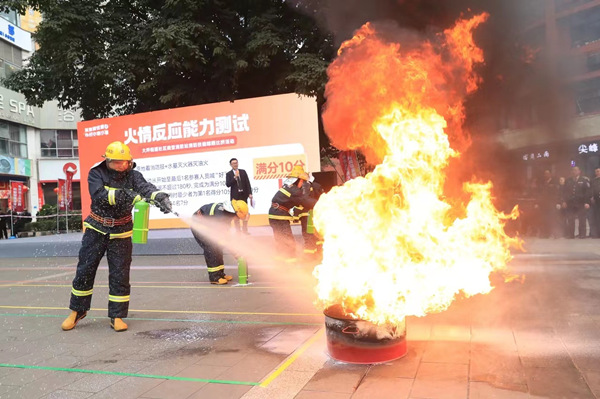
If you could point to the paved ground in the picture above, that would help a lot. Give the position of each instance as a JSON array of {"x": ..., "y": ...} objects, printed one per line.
[{"x": 536, "y": 338}]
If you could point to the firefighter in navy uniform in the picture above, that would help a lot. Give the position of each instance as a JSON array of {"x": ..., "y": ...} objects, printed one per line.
[
  {"x": 224, "y": 211},
  {"x": 115, "y": 187},
  {"x": 289, "y": 196},
  {"x": 314, "y": 190}
]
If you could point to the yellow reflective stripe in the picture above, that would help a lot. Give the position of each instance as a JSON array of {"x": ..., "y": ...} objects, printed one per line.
[
  {"x": 154, "y": 194},
  {"x": 286, "y": 192},
  {"x": 303, "y": 215},
  {"x": 89, "y": 226},
  {"x": 118, "y": 298},
  {"x": 81, "y": 293},
  {"x": 216, "y": 268},
  {"x": 111, "y": 195},
  {"x": 320, "y": 242},
  {"x": 310, "y": 251},
  {"x": 122, "y": 235},
  {"x": 212, "y": 209},
  {"x": 278, "y": 217}
]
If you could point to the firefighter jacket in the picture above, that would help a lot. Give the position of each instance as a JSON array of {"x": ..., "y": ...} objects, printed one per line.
[
  {"x": 311, "y": 190},
  {"x": 288, "y": 197},
  {"x": 578, "y": 191},
  {"x": 110, "y": 201}
]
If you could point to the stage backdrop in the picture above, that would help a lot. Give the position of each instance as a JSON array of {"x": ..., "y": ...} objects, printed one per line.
[{"x": 185, "y": 151}]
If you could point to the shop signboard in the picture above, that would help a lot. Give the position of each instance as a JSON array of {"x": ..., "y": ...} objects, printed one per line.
[
  {"x": 15, "y": 166},
  {"x": 186, "y": 151}
]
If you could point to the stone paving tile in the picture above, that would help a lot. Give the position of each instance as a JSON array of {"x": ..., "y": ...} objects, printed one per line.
[
  {"x": 287, "y": 384},
  {"x": 499, "y": 368},
  {"x": 7, "y": 388},
  {"x": 483, "y": 390},
  {"x": 252, "y": 368},
  {"x": 450, "y": 332},
  {"x": 543, "y": 352},
  {"x": 43, "y": 385},
  {"x": 337, "y": 377},
  {"x": 405, "y": 367},
  {"x": 130, "y": 387},
  {"x": 94, "y": 382},
  {"x": 288, "y": 340},
  {"x": 441, "y": 381},
  {"x": 383, "y": 388},
  {"x": 322, "y": 395},
  {"x": 221, "y": 391},
  {"x": 65, "y": 394},
  {"x": 592, "y": 377},
  {"x": 447, "y": 352},
  {"x": 183, "y": 389},
  {"x": 553, "y": 383}
]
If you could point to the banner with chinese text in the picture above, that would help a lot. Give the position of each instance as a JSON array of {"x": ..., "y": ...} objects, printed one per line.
[
  {"x": 186, "y": 151},
  {"x": 17, "y": 199},
  {"x": 349, "y": 164}
]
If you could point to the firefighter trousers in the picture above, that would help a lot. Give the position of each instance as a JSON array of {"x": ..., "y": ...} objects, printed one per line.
[
  {"x": 118, "y": 253},
  {"x": 310, "y": 241},
  {"x": 213, "y": 254},
  {"x": 285, "y": 243}
]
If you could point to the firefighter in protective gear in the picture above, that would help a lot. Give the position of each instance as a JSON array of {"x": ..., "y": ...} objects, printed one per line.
[
  {"x": 281, "y": 212},
  {"x": 314, "y": 190},
  {"x": 115, "y": 186},
  {"x": 224, "y": 212}
]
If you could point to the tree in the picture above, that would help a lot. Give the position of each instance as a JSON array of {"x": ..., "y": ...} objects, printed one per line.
[{"x": 118, "y": 57}]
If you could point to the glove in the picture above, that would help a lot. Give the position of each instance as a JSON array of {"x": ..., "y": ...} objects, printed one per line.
[
  {"x": 131, "y": 196},
  {"x": 164, "y": 203}
]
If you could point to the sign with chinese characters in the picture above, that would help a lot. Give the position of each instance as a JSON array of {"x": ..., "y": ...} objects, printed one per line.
[
  {"x": 17, "y": 199},
  {"x": 15, "y": 35},
  {"x": 186, "y": 151},
  {"x": 277, "y": 167},
  {"x": 591, "y": 148},
  {"x": 15, "y": 166},
  {"x": 532, "y": 156}
]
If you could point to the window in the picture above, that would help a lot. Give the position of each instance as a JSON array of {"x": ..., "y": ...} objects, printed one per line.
[
  {"x": 59, "y": 143},
  {"x": 562, "y": 5},
  {"x": 13, "y": 139},
  {"x": 585, "y": 27},
  {"x": 587, "y": 96}
]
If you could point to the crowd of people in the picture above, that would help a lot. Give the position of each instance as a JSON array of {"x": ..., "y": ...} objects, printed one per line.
[{"x": 561, "y": 207}]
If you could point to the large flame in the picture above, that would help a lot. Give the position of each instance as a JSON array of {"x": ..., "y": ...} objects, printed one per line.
[{"x": 394, "y": 245}]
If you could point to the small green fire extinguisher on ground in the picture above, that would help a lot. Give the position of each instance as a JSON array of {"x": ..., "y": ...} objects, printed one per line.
[{"x": 141, "y": 219}]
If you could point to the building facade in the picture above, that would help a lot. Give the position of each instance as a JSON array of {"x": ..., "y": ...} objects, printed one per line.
[
  {"x": 564, "y": 35},
  {"x": 36, "y": 143}
]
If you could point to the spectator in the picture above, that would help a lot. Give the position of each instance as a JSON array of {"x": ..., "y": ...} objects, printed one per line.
[
  {"x": 240, "y": 189},
  {"x": 576, "y": 201},
  {"x": 596, "y": 203},
  {"x": 547, "y": 205},
  {"x": 3, "y": 225}
]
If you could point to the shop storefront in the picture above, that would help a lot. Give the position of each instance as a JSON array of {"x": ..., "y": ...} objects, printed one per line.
[{"x": 27, "y": 163}]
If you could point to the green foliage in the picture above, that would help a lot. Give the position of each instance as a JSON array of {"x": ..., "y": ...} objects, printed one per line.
[{"x": 118, "y": 57}]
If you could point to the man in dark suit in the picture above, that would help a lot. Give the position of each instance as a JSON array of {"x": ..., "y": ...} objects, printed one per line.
[{"x": 237, "y": 180}]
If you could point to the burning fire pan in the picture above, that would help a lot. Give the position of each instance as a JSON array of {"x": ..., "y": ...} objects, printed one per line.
[{"x": 358, "y": 341}]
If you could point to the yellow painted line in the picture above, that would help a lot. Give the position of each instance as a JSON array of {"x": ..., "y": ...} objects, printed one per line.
[
  {"x": 204, "y": 287},
  {"x": 291, "y": 359},
  {"x": 19, "y": 283},
  {"x": 170, "y": 311}
]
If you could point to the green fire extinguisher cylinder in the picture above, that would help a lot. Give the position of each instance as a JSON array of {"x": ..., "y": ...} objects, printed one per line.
[
  {"x": 141, "y": 219},
  {"x": 242, "y": 271},
  {"x": 310, "y": 227}
]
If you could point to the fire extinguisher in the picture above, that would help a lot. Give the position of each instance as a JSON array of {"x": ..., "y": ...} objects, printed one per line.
[
  {"x": 310, "y": 227},
  {"x": 141, "y": 219}
]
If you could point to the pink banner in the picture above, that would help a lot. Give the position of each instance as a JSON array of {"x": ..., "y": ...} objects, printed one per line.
[
  {"x": 41, "y": 201},
  {"x": 17, "y": 200},
  {"x": 349, "y": 164},
  {"x": 61, "y": 194}
]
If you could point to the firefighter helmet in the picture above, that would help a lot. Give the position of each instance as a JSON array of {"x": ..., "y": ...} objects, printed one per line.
[
  {"x": 241, "y": 208},
  {"x": 117, "y": 151},
  {"x": 298, "y": 172}
]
